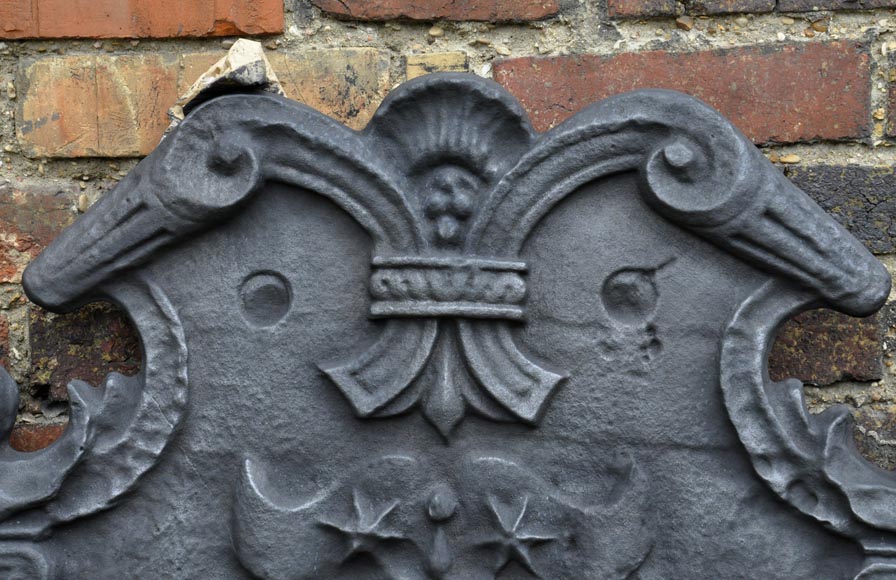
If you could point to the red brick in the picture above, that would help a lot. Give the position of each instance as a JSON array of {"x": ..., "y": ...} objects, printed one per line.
[
  {"x": 34, "y": 437},
  {"x": 17, "y": 18},
  {"x": 76, "y": 106},
  {"x": 242, "y": 17},
  {"x": 138, "y": 18},
  {"x": 133, "y": 96},
  {"x": 772, "y": 93},
  {"x": 345, "y": 83},
  {"x": 822, "y": 347},
  {"x": 643, "y": 8},
  {"x": 30, "y": 217},
  {"x": 102, "y": 106},
  {"x": 702, "y": 7},
  {"x": 86, "y": 345},
  {"x": 488, "y": 10}
]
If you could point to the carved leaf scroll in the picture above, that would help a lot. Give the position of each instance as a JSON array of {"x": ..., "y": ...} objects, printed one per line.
[
  {"x": 115, "y": 434},
  {"x": 449, "y": 180},
  {"x": 810, "y": 461}
]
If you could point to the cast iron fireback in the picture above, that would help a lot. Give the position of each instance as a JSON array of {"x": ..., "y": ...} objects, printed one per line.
[{"x": 448, "y": 347}]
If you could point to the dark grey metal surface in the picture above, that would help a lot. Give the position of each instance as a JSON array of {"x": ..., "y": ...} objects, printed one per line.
[{"x": 447, "y": 347}]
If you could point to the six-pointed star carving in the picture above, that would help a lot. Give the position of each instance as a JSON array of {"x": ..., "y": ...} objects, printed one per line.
[
  {"x": 365, "y": 532},
  {"x": 514, "y": 543}
]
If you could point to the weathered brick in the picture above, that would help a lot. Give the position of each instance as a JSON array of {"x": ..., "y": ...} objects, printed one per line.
[
  {"x": 487, "y": 10},
  {"x": 764, "y": 90},
  {"x": 345, "y": 83},
  {"x": 27, "y": 438},
  {"x": 890, "y": 118},
  {"x": 57, "y": 114},
  {"x": 99, "y": 106},
  {"x": 30, "y": 217},
  {"x": 17, "y": 18},
  {"x": 247, "y": 17},
  {"x": 704, "y": 7},
  {"x": 4, "y": 341},
  {"x": 862, "y": 199},
  {"x": 876, "y": 431},
  {"x": 84, "y": 106},
  {"x": 85, "y": 345},
  {"x": 816, "y": 5},
  {"x": 645, "y": 8},
  {"x": 417, "y": 65},
  {"x": 138, "y": 18},
  {"x": 822, "y": 347}
]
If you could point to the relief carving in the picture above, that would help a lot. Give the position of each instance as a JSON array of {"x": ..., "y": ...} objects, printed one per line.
[
  {"x": 582, "y": 315},
  {"x": 412, "y": 521}
]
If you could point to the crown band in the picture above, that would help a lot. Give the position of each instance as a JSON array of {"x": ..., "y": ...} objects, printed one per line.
[{"x": 412, "y": 286}]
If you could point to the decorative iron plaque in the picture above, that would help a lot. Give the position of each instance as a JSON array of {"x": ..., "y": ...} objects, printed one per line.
[{"x": 447, "y": 347}]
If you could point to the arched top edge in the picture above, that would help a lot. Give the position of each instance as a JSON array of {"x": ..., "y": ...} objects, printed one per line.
[
  {"x": 701, "y": 173},
  {"x": 215, "y": 161},
  {"x": 696, "y": 169},
  {"x": 627, "y": 128},
  {"x": 458, "y": 85},
  {"x": 791, "y": 449}
]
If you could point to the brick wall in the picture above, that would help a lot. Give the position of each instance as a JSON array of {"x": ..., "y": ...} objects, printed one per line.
[{"x": 84, "y": 87}]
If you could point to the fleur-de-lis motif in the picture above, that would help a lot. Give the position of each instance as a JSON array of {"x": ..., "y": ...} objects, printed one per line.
[
  {"x": 449, "y": 181},
  {"x": 448, "y": 303}
]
